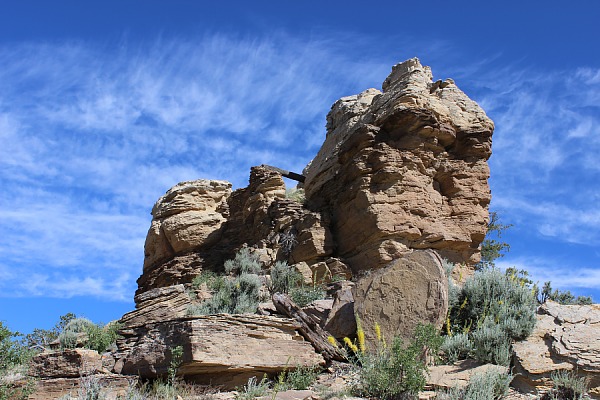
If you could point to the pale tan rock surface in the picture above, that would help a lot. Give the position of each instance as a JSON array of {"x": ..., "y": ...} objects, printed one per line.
[
  {"x": 402, "y": 169},
  {"x": 68, "y": 363},
  {"x": 158, "y": 305},
  {"x": 565, "y": 337},
  {"x": 222, "y": 349},
  {"x": 459, "y": 374},
  {"x": 410, "y": 291},
  {"x": 341, "y": 321},
  {"x": 114, "y": 387}
]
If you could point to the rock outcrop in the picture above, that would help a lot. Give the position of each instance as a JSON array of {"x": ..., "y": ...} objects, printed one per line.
[
  {"x": 402, "y": 174},
  {"x": 401, "y": 169},
  {"x": 404, "y": 169},
  {"x": 565, "y": 338}
]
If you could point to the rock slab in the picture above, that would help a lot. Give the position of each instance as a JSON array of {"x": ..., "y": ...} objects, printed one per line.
[
  {"x": 565, "y": 338},
  {"x": 224, "y": 350}
]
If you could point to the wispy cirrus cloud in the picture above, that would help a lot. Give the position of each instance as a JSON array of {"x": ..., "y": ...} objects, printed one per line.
[
  {"x": 92, "y": 136},
  {"x": 545, "y": 166}
]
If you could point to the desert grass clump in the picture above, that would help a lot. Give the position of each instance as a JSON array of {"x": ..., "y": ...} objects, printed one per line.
[
  {"x": 299, "y": 378},
  {"x": 567, "y": 386},
  {"x": 235, "y": 296},
  {"x": 253, "y": 389}
]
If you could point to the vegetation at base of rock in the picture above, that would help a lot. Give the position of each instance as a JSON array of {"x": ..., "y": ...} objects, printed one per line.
[
  {"x": 567, "y": 386},
  {"x": 304, "y": 295},
  {"x": 237, "y": 294},
  {"x": 244, "y": 262},
  {"x": 562, "y": 297},
  {"x": 283, "y": 278},
  {"x": 176, "y": 360},
  {"x": 13, "y": 359},
  {"x": 491, "y": 385},
  {"x": 300, "y": 378},
  {"x": 95, "y": 336},
  {"x": 492, "y": 309},
  {"x": 396, "y": 371},
  {"x": 253, "y": 389}
]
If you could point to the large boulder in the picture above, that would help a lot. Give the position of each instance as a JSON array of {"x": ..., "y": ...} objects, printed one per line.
[
  {"x": 410, "y": 291},
  {"x": 222, "y": 349},
  {"x": 404, "y": 169},
  {"x": 566, "y": 337}
]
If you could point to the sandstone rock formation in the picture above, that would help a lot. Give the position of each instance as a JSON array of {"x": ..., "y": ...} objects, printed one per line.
[
  {"x": 402, "y": 172},
  {"x": 565, "y": 338},
  {"x": 399, "y": 170},
  {"x": 404, "y": 169}
]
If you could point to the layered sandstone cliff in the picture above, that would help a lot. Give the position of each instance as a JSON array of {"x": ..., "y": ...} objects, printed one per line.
[{"x": 400, "y": 170}]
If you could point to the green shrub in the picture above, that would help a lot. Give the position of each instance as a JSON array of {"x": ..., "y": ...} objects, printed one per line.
[
  {"x": 97, "y": 336},
  {"x": 493, "y": 308},
  {"x": 399, "y": 371},
  {"x": 68, "y": 340},
  {"x": 284, "y": 277},
  {"x": 234, "y": 296},
  {"x": 567, "y": 386},
  {"x": 41, "y": 338},
  {"x": 296, "y": 194},
  {"x": 212, "y": 280},
  {"x": 457, "y": 347},
  {"x": 304, "y": 295},
  {"x": 300, "y": 378},
  {"x": 244, "y": 262},
  {"x": 562, "y": 297},
  {"x": 491, "y": 344},
  {"x": 100, "y": 338},
  {"x": 491, "y": 385},
  {"x": 13, "y": 359}
]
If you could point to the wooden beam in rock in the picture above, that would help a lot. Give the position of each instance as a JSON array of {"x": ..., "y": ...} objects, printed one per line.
[
  {"x": 287, "y": 174},
  {"x": 309, "y": 328}
]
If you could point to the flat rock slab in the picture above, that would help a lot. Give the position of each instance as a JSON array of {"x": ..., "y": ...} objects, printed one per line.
[
  {"x": 459, "y": 374},
  {"x": 113, "y": 386},
  {"x": 224, "y": 350},
  {"x": 565, "y": 338}
]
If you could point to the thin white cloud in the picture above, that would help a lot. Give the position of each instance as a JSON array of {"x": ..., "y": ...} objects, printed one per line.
[
  {"x": 93, "y": 136},
  {"x": 562, "y": 276}
]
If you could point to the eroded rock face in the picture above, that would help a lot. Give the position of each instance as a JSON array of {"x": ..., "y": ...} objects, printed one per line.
[
  {"x": 65, "y": 364},
  {"x": 220, "y": 349},
  {"x": 404, "y": 169},
  {"x": 565, "y": 337},
  {"x": 410, "y": 291}
]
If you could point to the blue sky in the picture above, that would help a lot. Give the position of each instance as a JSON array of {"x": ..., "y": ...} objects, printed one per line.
[{"x": 104, "y": 105}]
